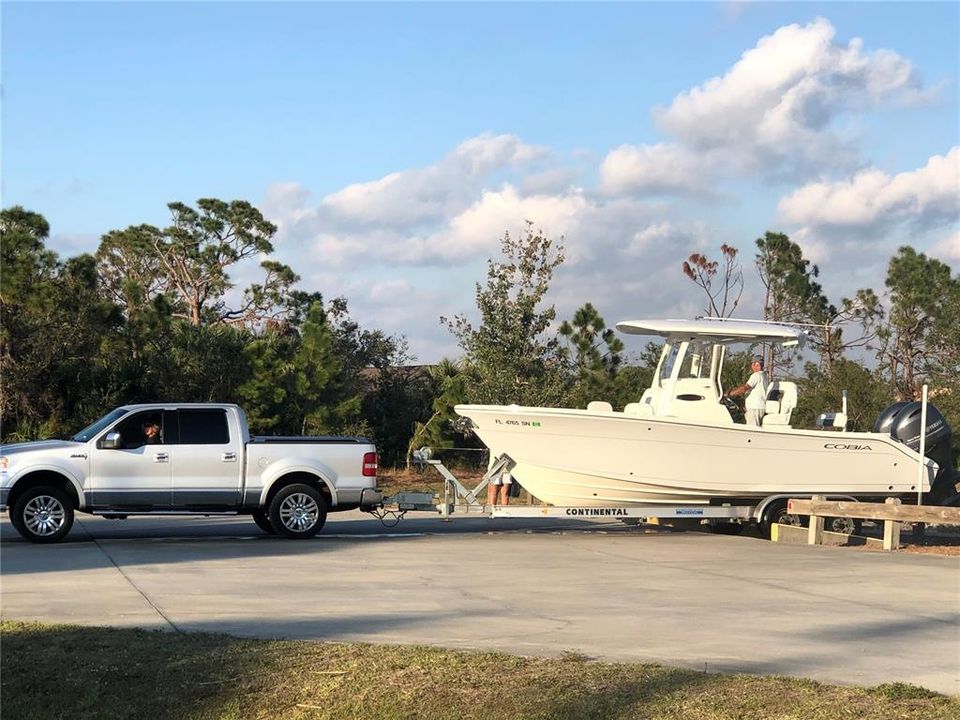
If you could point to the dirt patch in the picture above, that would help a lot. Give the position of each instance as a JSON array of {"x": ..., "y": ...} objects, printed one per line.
[
  {"x": 936, "y": 540},
  {"x": 427, "y": 479}
]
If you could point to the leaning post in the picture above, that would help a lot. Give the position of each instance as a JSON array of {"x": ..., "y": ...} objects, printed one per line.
[
  {"x": 891, "y": 529},
  {"x": 815, "y": 531}
]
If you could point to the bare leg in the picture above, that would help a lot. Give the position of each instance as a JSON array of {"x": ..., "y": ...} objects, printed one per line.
[
  {"x": 492, "y": 493},
  {"x": 504, "y": 494}
]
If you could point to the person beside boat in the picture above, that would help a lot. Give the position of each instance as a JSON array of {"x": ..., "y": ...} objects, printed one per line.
[
  {"x": 756, "y": 390},
  {"x": 498, "y": 489}
]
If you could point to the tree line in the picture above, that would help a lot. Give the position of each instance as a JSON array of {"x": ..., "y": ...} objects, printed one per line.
[{"x": 154, "y": 315}]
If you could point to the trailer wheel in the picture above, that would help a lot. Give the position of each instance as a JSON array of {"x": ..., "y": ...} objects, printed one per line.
[
  {"x": 845, "y": 526},
  {"x": 298, "y": 511},
  {"x": 262, "y": 520},
  {"x": 43, "y": 515},
  {"x": 776, "y": 514}
]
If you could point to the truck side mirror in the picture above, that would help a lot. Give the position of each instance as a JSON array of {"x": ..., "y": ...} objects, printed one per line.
[{"x": 111, "y": 441}]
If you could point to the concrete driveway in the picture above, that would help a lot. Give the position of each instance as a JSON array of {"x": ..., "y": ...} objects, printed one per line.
[{"x": 713, "y": 603}]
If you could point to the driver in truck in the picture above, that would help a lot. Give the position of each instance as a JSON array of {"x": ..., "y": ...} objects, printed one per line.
[{"x": 151, "y": 431}]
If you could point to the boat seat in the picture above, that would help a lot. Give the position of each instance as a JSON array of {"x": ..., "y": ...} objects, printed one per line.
[
  {"x": 599, "y": 406},
  {"x": 834, "y": 420},
  {"x": 641, "y": 409},
  {"x": 781, "y": 401}
]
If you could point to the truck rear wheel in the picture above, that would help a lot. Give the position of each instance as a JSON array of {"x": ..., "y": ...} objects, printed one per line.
[
  {"x": 298, "y": 511},
  {"x": 43, "y": 515}
]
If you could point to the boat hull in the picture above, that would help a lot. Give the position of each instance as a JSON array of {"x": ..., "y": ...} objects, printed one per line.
[{"x": 602, "y": 459}]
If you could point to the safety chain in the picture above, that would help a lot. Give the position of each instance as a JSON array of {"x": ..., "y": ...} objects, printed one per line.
[{"x": 382, "y": 514}]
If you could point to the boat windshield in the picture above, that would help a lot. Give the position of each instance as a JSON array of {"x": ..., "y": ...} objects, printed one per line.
[
  {"x": 90, "y": 430},
  {"x": 699, "y": 355},
  {"x": 669, "y": 359}
]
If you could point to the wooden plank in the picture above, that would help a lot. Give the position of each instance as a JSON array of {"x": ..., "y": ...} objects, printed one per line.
[{"x": 876, "y": 511}]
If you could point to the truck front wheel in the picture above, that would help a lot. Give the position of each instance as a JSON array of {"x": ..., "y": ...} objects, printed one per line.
[
  {"x": 43, "y": 515},
  {"x": 262, "y": 520},
  {"x": 298, "y": 511}
]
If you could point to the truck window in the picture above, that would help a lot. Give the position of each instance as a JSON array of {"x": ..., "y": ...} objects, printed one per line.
[
  {"x": 135, "y": 431},
  {"x": 204, "y": 427}
]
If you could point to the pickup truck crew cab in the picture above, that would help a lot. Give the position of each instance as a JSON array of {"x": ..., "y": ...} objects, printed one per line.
[{"x": 200, "y": 459}]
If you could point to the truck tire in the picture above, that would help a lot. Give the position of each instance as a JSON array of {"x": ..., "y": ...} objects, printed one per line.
[
  {"x": 298, "y": 511},
  {"x": 262, "y": 520},
  {"x": 43, "y": 515}
]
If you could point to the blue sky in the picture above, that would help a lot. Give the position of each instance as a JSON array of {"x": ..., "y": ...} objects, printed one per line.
[{"x": 394, "y": 143}]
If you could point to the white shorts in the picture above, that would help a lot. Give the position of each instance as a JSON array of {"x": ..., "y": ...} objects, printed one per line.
[
  {"x": 755, "y": 417},
  {"x": 502, "y": 479}
]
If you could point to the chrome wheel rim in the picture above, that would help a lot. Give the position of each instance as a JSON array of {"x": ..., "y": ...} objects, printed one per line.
[
  {"x": 844, "y": 526},
  {"x": 44, "y": 515},
  {"x": 299, "y": 512},
  {"x": 788, "y": 519}
]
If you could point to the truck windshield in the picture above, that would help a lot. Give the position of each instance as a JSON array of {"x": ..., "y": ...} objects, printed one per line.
[{"x": 90, "y": 430}]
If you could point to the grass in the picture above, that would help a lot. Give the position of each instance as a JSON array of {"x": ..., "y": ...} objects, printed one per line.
[{"x": 50, "y": 672}]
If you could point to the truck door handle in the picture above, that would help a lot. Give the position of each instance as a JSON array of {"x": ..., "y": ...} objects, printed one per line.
[
  {"x": 229, "y": 457},
  {"x": 161, "y": 457}
]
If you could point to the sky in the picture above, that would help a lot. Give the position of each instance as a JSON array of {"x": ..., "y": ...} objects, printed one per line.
[{"x": 394, "y": 144}]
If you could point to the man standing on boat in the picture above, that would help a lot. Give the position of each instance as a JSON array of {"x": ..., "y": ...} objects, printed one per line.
[{"x": 756, "y": 385}]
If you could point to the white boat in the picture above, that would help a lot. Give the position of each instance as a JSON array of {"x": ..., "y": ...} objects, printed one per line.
[{"x": 679, "y": 445}]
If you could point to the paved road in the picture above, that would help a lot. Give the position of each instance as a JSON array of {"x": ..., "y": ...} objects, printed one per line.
[{"x": 532, "y": 587}]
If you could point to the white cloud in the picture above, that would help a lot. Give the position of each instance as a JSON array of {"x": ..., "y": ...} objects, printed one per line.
[
  {"x": 948, "y": 249},
  {"x": 775, "y": 113},
  {"x": 428, "y": 194},
  {"x": 925, "y": 196},
  {"x": 662, "y": 168},
  {"x": 790, "y": 83},
  {"x": 70, "y": 244},
  {"x": 685, "y": 238},
  {"x": 471, "y": 232}
]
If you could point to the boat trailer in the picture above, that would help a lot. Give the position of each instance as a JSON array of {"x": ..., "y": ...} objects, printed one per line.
[{"x": 458, "y": 500}]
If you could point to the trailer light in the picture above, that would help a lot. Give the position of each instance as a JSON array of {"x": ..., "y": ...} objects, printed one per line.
[
  {"x": 370, "y": 464},
  {"x": 4, "y": 463}
]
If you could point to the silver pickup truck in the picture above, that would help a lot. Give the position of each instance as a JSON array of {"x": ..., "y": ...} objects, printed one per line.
[{"x": 184, "y": 459}]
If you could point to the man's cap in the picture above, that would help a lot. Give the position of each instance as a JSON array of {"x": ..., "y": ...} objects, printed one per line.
[{"x": 757, "y": 358}]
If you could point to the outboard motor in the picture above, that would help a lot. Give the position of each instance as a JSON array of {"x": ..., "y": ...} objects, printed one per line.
[
  {"x": 884, "y": 423},
  {"x": 902, "y": 421}
]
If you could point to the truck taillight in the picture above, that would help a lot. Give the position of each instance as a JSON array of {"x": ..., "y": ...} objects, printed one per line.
[{"x": 370, "y": 464}]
